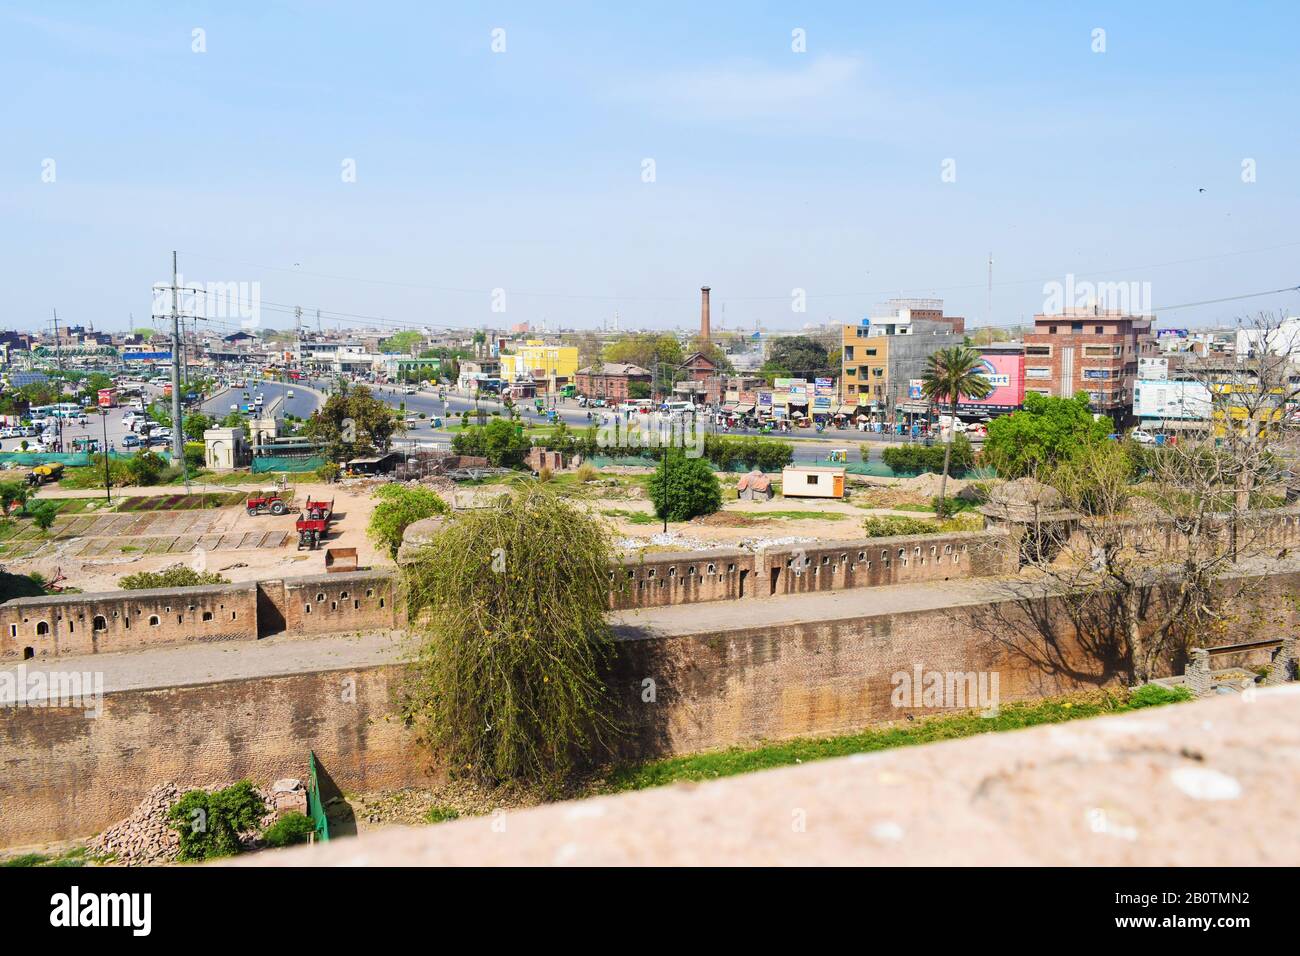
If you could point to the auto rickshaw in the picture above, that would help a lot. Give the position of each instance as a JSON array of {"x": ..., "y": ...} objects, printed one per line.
[{"x": 839, "y": 455}]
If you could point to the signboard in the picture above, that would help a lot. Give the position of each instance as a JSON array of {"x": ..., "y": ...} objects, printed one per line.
[
  {"x": 799, "y": 394},
  {"x": 1178, "y": 333},
  {"x": 765, "y": 399},
  {"x": 1153, "y": 369},
  {"x": 825, "y": 386},
  {"x": 1160, "y": 398},
  {"x": 1096, "y": 373},
  {"x": 146, "y": 356},
  {"x": 787, "y": 384},
  {"x": 1006, "y": 373},
  {"x": 914, "y": 392},
  {"x": 822, "y": 403}
]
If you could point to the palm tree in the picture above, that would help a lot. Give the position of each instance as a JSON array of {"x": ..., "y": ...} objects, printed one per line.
[{"x": 949, "y": 374}]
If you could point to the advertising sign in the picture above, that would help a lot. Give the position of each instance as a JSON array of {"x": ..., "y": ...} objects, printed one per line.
[
  {"x": 786, "y": 384},
  {"x": 1165, "y": 399},
  {"x": 765, "y": 399},
  {"x": 822, "y": 403},
  {"x": 1153, "y": 369},
  {"x": 1006, "y": 373},
  {"x": 1096, "y": 373},
  {"x": 825, "y": 386},
  {"x": 914, "y": 390}
]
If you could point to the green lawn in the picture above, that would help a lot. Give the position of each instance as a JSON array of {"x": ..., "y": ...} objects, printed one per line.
[{"x": 1015, "y": 716}]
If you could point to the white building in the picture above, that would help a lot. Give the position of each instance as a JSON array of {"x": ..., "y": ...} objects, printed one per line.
[{"x": 1282, "y": 340}]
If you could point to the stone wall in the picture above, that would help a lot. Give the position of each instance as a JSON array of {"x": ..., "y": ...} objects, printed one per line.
[
  {"x": 655, "y": 580},
  {"x": 62, "y": 625},
  {"x": 69, "y": 776},
  {"x": 77, "y": 624}
]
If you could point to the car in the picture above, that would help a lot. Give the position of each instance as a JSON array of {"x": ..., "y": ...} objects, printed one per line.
[
  {"x": 409, "y": 390},
  {"x": 130, "y": 441},
  {"x": 1142, "y": 436}
]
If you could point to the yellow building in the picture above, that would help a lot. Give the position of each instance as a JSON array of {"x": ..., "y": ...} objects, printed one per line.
[
  {"x": 540, "y": 361},
  {"x": 864, "y": 368}
]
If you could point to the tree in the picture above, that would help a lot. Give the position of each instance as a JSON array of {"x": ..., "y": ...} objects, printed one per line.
[
  {"x": 509, "y": 602},
  {"x": 499, "y": 441},
  {"x": 798, "y": 356},
  {"x": 42, "y": 513},
  {"x": 638, "y": 390},
  {"x": 646, "y": 349},
  {"x": 949, "y": 374},
  {"x": 399, "y": 507},
  {"x": 352, "y": 422},
  {"x": 13, "y": 493},
  {"x": 146, "y": 468},
  {"x": 1149, "y": 569},
  {"x": 403, "y": 343},
  {"x": 1044, "y": 433},
  {"x": 682, "y": 488},
  {"x": 196, "y": 425}
]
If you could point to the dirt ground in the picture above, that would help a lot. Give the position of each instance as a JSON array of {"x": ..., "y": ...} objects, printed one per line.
[{"x": 352, "y": 506}]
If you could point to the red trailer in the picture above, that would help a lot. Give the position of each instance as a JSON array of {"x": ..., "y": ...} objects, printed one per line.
[{"x": 313, "y": 523}]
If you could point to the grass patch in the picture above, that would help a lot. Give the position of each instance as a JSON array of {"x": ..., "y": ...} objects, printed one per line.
[
  {"x": 440, "y": 814},
  {"x": 631, "y": 517},
  {"x": 799, "y": 515},
  {"x": 74, "y": 857},
  {"x": 1014, "y": 716}
]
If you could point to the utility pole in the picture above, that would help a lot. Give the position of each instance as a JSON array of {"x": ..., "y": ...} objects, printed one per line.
[
  {"x": 58, "y": 352},
  {"x": 178, "y": 434},
  {"x": 988, "y": 301}
]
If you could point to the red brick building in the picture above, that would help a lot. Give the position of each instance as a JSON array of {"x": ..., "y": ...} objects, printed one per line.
[
  {"x": 1091, "y": 351},
  {"x": 610, "y": 381}
]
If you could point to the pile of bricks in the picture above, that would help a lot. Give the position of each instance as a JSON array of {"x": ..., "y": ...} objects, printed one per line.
[{"x": 143, "y": 838}]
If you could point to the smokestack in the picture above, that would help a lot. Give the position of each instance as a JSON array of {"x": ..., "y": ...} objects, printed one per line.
[{"x": 704, "y": 313}]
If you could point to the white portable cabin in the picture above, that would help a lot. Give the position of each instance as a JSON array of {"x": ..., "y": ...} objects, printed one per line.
[{"x": 812, "y": 481}]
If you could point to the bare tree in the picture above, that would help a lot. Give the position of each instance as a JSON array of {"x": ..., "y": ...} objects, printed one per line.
[{"x": 1164, "y": 542}]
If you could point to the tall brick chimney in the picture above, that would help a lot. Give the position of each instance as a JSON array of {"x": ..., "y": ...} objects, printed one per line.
[{"x": 704, "y": 312}]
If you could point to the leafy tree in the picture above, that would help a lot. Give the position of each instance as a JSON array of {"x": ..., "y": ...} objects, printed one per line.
[
  {"x": 799, "y": 356},
  {"x": 917, "y": 458},
  {"x": 13, "y": 493},
  {"x": 638, "y": 390},
  {"x": 403, "y": 342},
  {"x": 1044, "y": 433},
  {"x": 713, "y": 352},
  {"x": 682, "y": 488},
  {"x": 146, "y": 468},
  {"x": 209, "y": 824},
  {"x": 499, "y": 441},
  {"x": 399, "y": 507},
  {"x": 352, "y": 422},
  {"x": 646, "y": 349},
  {"x": 949, "y": 374},
  {"x": 510, "y": 602},
  {"x": 42, "y": 513},
  {"x": 196, "y": 425},
  {"x": 175, "y": 576}
]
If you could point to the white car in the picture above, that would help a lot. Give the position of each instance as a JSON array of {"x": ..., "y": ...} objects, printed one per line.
[
  {"x": 1142, "y": 437},
  {"x": 409, "y": 390}
]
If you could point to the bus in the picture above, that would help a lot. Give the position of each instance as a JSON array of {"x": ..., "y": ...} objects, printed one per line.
[{"x": 107, "y": 398}]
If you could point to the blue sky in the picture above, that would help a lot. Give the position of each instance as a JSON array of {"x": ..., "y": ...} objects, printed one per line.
[{"x": 523, "y": 170}]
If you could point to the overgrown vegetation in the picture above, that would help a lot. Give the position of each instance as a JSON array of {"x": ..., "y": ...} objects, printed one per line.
[
  {"x": 1044, "y": 433},
  {"x": 509, "y": 602},
  {"x": 915, "y": 458},
  {"x": 888, "y": 526},
  {"x": 209, "y": 823},
  {"x": 176, "y": 576},
  {"x": 399, "y": 507},
  {"x": 289, "y": 829}
]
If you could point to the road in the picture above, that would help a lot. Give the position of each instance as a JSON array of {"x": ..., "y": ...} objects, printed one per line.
[
  {"x": 301, "y": 405},
  {"x": 809, "y": 445}
]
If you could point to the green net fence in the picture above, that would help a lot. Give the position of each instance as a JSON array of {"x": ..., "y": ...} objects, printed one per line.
[
  {"x": 68, "y": 459},
  {"x": 265, "y": 463},
  {"x": 316, "y": 809}
]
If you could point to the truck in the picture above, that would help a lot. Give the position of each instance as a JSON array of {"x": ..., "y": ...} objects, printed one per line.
[
  {"x": 313, "y": 523},
  {"x": 45, "y": 474}
]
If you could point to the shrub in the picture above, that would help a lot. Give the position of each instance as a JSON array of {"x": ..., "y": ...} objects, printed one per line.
[
  {"x": 917, "y": 458},
  {"x": 510, "y": 604},
  {"x": 587, "y": 472},
  {"x": 887, "y": 526},
  {"x": 683, "y": 488},
  {"x": 291, "y": 828},
  {"x": 145, "y": 468},
  {"x": 401, "y": 506},
  {"x": 1153, "y": 695},
  {"x": 176, "y": 576},
  {"x": 439, "y": 814},
  {"x": 545, "y": 474},
  {"x": 209, "y": 824},
  {"x": 328, "y": 472},
  {"x": 42, "y": 513}
]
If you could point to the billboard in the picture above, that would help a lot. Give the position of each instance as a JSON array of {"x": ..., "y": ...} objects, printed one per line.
[
  {"x": 1164, "y": 399},
  {"x": 825, "y": 386},
  {"x": 914, "y": 393},
  {"x": 1153, "y": 369},
  {"x": 1006, "y": 373}
]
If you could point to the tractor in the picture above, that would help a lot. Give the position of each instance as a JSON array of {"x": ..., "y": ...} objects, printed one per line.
[
  {"x": 267, "y": 501},
  {"x": 313, "y": 523}
]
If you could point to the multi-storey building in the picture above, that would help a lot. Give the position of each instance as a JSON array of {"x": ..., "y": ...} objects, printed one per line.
[
  {"x": 886, "y": 352},
  {"x": 1092, "y": 351}
]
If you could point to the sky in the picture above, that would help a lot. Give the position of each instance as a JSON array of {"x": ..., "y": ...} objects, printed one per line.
[{"x": 492, "y": 163}]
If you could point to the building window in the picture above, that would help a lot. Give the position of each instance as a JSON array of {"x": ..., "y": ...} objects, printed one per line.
[
  {"x": 153, "y": 620},
  {"x": 42, "y": 628},
  {"x": 812, "y": 479},
  {"x": 100, "y": 623}
]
